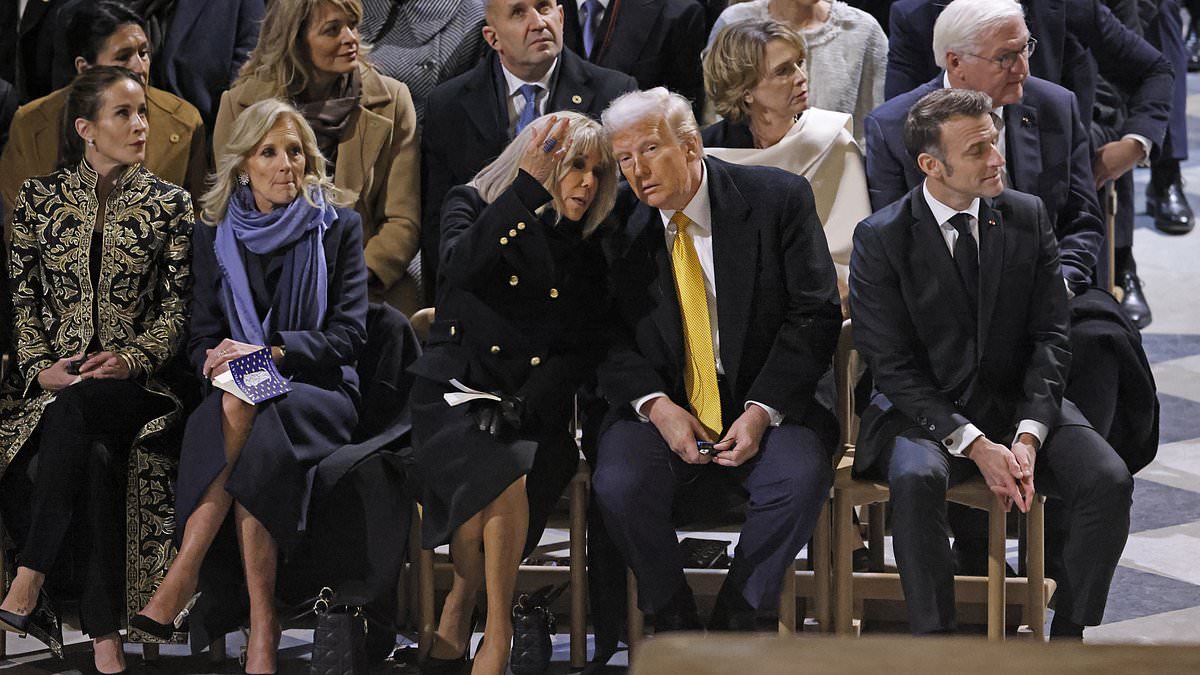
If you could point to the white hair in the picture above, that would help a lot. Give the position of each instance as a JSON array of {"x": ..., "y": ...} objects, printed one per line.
[
  {"x": 964, "y": 22},
  {"x": 653, "y": 104}
]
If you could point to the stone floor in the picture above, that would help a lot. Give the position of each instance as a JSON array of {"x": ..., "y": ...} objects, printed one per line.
[{"x": 1155, "y": 595}]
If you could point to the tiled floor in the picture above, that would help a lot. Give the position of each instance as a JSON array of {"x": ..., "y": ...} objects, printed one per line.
[{"x": 1156, "y": 591}]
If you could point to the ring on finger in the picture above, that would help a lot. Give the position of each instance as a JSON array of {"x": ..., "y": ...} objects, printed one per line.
[{"x": 549, "y": 145}]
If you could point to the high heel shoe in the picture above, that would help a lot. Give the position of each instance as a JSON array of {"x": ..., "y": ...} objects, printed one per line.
[
  {"x": 41, "y": 623},
  {"x": 163, "y": 631},
  {"x": 432, "y": 665}
]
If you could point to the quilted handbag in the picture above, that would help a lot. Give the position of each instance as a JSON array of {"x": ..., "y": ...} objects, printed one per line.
[
  {"x": 339, "y": 639},
  {"x": 533, "y": 624}
]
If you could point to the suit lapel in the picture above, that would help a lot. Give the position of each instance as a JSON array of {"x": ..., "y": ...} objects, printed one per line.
[
  {"x": 735, "y": 257},
  {"x": 571, "y": 88},
  {"x": 1022, "y": 147},
  {"x": 647, "y": 228},
  {"x": 930, "y": 255},
  {"x": 481, "y": 100},
  {"x": 991, "y": 264}
]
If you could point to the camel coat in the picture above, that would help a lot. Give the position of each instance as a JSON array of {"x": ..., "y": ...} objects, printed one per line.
[
  {"x": 175, "y": 149},
  {"x": 377, "y": 167}
]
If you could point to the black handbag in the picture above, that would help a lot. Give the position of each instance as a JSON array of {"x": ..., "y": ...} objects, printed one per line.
[
  {"x": 339, "y": 644},
  {"x": 533, "y": 624}
]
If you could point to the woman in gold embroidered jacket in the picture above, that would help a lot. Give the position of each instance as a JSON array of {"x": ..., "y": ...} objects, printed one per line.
[{"x": 100, "y": 270}]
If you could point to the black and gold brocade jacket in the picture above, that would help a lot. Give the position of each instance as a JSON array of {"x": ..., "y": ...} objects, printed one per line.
[{"x": 141, "y": 299}]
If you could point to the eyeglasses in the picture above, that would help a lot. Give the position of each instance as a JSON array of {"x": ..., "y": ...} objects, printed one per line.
[{"x": 1009, "y": 59}]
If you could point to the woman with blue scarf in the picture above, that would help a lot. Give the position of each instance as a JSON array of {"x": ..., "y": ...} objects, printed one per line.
[{"x": 282, "y": 269}]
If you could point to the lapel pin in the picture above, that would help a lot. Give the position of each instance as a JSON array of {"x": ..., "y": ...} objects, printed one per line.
[
  {"x": 1026, "y": 121},
  {"x": 576, "y": 99},
  {"x": 991, "y": 222}
]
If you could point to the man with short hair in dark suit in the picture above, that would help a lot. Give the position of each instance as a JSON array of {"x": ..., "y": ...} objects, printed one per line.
[
  {"x": 726, "y": 316},
  {"x": 471, "y": 118},
  {"x": 658, "y": 42},
  {"x": 961, "y": 315}
]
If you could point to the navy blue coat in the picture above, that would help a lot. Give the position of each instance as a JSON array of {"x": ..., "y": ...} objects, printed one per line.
[{"x": 1048, "y": 153}]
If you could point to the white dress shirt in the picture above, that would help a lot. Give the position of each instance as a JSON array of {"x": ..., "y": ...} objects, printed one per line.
[
  {"x": 961, "y": 438},
  {"x": 699, "y": 211},
  {"x": 515, "y": 101}
]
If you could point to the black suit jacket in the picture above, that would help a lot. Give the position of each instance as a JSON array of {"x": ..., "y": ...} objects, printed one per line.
[
  {"x": 936, "y": 368},
  {"x": 466, "y": 126},
  {"x": 1048, "y": 152},
  {"x": 658, "y": 42},
  {"x": 1075, "y": 38},
  {"x": 777, "y": 301}
]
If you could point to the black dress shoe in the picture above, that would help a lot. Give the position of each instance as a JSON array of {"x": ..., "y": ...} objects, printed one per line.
[
  {"x": 163, "y": 631},
  {"x": 41, "y": 624},
  {"x": 679, "y": 614},
  {"x": 1169, "y": 206},
  {"x": 432, "y": 665},
  {"x": 1134, "y": 301}
]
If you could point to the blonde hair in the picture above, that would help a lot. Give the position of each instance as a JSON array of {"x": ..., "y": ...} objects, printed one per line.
[
  {"x": 281, "y": 57},
  {"x": 737, "y": 61},
  {"x": 585, "y": 136},
  {"x": 248, "y": 131}
]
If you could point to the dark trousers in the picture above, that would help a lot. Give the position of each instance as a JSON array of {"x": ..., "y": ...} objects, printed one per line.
[
  {"x": 75, "y": 476},
  {"x": 635, "y": 483},
  {"x": 1075, "y": 465}
]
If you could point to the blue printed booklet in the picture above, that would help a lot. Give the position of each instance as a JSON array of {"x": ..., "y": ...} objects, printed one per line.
[{"x": 253, "y": 378}]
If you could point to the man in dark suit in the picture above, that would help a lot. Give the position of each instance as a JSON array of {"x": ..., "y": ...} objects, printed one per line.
[
  {"x": 1076, "y": 40},
  {"x": 1045, "y": 144},
  {"x": 471, "y": 118},
  {"x": 726, "y": 317},
  {"x": 960, "y": 313},
  {"x": 658, "y": 42}
]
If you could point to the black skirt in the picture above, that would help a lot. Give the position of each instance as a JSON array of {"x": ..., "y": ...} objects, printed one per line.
[{"x": 463, "y": 469}]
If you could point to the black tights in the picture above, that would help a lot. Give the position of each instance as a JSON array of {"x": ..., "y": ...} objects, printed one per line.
[{"x": 70, "y": 484}]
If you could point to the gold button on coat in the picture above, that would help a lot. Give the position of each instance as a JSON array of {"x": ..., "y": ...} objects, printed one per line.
[
  {"x": 535, "y": 361},
  {"x": 495, "y": 349},
  {"x": 577, "y": 99},
  {"x": 453, "y": 330},
  {"x": 553, "y": 292},
  {"x": 504, "y": 241},
  {"x": 520, "y": 226},
  {"x": 513, "y": 280},
  {"x": 174, "y": 138},
  {"x": 512, "y": 233}
]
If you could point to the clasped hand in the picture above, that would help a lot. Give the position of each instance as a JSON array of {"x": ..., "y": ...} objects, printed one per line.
[
  {"x": 502, "y": 419},
  {"x": 1008, "y": 472},
  {"x": 98, "y": 366},
  {"x": 216, "y": 360},
  {"x": 680, "y": 429}
]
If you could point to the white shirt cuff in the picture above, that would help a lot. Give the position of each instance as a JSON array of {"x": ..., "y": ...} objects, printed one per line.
[
  {"x": 961, "y": 439},
  {"x": 1067, "y": 283},
  {"x": 775, "y": 415},
  {"x": 1039, "y": 430},
  {"x": 637, "y": 405},
  {"x": 1145, "y": 143}
]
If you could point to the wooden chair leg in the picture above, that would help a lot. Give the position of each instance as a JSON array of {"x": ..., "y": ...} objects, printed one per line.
[
  {"x": 1035, "y": 549},
  {"x": 634, "y": 617},
  {"x": 876, "y": 529},
  {"x": 787, "y": 601},
  {"x": 578, "y": 509},
  {"x": 996, "y": 564},
  {"x": 149, "y": 652},
  {"x": 843, "y": 565},
  {"x": 822, "y": 558}
]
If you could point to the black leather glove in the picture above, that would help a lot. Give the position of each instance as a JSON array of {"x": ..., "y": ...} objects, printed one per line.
[{"x": 502, "y": 419}]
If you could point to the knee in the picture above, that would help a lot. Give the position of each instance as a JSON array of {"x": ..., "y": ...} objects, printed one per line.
[
  {"x": 925, "y": 483},
  {"x": 1110, "y": 485}
]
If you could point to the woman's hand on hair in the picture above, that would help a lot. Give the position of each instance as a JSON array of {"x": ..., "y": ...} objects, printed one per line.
[
  {"x": 104, "y": 366},
  {"x": 57, "y": 376},
  {"x": 539, "y": 163},
  {"x": 217, "y": 359}
]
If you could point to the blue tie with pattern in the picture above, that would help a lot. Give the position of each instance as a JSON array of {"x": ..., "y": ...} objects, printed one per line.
[
  {"x": 591, "y": 21},
  {"x": 529, "y": 112}
]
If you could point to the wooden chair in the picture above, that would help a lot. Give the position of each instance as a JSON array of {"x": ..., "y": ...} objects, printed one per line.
[
  {"x": 428, "y": 570},
  {"x": 849, "y": 492}
]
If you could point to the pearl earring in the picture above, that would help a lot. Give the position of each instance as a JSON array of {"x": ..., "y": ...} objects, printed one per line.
[{"x": 91, "y": 142}]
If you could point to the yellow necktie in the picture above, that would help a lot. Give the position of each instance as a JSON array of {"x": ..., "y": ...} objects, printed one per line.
[{"x": 700, "y": 374}]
